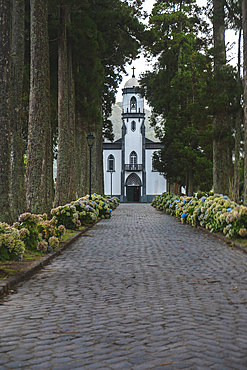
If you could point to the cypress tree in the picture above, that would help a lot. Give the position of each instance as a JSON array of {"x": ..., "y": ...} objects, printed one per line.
[
  {"x": 176, "y": 89},
  {"x": 244, "y": 21},
  {"x": 39, "y": 154},
  {"x": 221, "y": 153},
  {"x": 5, "y": 27},
  {"x": 66, "y": 175},
  {"x": 18, "y": 195}
]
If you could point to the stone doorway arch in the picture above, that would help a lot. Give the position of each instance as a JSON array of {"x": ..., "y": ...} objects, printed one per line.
[{"x": 133, "y": 188}]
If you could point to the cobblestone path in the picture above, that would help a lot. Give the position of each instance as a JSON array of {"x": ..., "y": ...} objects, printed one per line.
[{"x": 140, "y": 291}]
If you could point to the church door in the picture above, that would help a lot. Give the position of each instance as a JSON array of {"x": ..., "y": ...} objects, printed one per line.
[
  {"x": 133, "y": 193},
  {"x": 133, "y": 188}
]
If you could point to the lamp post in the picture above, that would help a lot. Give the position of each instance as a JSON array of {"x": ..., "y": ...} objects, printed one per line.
[
  {"x": 111, "y": 172},
  {"x": 90, "y": 141}
]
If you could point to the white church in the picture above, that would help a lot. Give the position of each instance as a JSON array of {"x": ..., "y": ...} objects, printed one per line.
[{"x": 128, "y": 170}]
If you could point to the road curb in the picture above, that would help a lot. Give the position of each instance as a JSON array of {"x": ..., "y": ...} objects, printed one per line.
[{"x": 8, "y": 284}]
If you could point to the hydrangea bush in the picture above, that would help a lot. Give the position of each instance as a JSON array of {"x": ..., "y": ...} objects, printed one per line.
[
  {"x": 67, "y": 216},
  {"x": 87, "y": 210},
  {"x": 84, "y": 211},
  {"x": 215, "y": 212},
  {"x": 11, "y": 245},
  {"x": 38, "y": 232},
  {"x": 104, "y": 205},
  {"x": 27, "y": 227}
]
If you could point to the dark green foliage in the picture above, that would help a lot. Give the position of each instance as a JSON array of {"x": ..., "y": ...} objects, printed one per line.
[
  {"x": 177, "y": 89},
  {"x": 195, "y": 102},
  {"x": 104, "y": 37}
]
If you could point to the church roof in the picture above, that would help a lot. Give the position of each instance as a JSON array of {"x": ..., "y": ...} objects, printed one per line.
[
  {"x": 132, "y": 82},
  {"x": 149, "y": 144}
]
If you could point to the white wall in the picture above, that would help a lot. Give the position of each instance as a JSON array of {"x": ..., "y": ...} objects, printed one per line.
[
  {"x": 155, "y": 183},
  {"x": 116, "y": 176}
]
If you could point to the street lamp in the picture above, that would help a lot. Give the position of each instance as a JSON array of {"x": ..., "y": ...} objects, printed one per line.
[
  {"x": 111, "y": 171},
  {"x": 90, "y": 141},
  {"x": 111, "y": 165}
]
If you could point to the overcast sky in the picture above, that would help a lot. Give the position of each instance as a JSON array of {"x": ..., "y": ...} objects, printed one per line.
[{"x": 142, "y": 65}]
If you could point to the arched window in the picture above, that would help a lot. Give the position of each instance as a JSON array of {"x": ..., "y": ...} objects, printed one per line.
[
  {"x": 133, "y": 158},
  {"x": 133, "y": 105},
  {"x": 133, "y": 180},
  {"x": 111, "y": 163},
  {"x": 133, "y": 126}
]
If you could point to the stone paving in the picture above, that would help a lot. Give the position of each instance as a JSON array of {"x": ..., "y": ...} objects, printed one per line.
[{"x": 138, "y": 291}]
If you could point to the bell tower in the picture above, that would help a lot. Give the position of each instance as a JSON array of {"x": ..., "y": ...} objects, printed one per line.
[{"x": 133, "y": 173}]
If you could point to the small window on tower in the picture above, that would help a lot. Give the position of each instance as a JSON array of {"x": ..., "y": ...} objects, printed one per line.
[
  {"x": 133, "y": 103},
  {"x": 133, "y": 126}
]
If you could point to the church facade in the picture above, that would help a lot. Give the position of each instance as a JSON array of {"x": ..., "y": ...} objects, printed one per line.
[{"x": 128, "y": 169}]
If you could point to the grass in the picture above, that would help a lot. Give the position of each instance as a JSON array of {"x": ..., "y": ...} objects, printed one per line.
[
  {"x": 242, "y": 241},
  {"x": 70, "y": 233}
]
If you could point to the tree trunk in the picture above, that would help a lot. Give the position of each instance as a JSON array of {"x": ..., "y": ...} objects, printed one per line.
[
  {"x": 220, "y": 122},
  {"x": 97, "y": 158},
  {"x": 244, "y": 23},
  {"x": 17, "y": 185},
  {"x": 39, "y": 157},
  {"x": 99, "y": 163},
  {"x": 190, "y": 183},
  {"x": 237, "y": 131},
  {"x": 66, "y": 181},
  {"x": 5, "y": 27},
  {"x": 71, "y": 128},
  {"x": 82, "y": 157}
]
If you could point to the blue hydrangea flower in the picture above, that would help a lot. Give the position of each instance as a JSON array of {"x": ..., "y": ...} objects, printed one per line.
[
  {"x": 203, "y": 199},
  {"x": 184, "y": 215},
  {"x": 184, "y": 201},
  {"x": 229, "y": 209}
]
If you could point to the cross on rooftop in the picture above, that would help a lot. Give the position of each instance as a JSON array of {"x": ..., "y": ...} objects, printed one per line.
[{"x": 133, "y": 76}]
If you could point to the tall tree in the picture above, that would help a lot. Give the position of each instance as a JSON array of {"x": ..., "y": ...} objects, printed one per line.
[
  {"x": 176, "y": 89},
  {"x": 97, "y": 67},
  {"x": 39, "y": 187},
  {"x": 244, "y": 21},
  {"x": 233, "y": 21},
  {"x": 18, "y": 195},
  {"x": 238, "y": 123},
  {"x": 5, "y": 27},
  {"x": 221, "y": 127},
  {"x": 66, "y": 175}
]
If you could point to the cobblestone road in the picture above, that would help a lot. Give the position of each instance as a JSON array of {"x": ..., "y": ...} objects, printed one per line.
[{"x": 140, "y": 291}]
